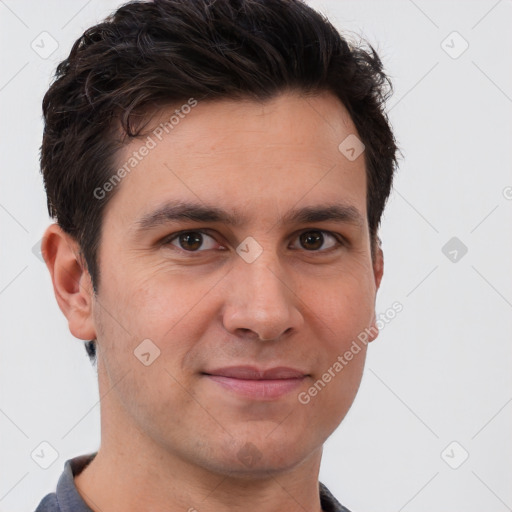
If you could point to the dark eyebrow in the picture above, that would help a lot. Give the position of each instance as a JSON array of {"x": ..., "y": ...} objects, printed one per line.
[
  {"x": 201, "y": 213},
  {"x": 347, "y": 214},
  {"x": 197, "y": 212}
]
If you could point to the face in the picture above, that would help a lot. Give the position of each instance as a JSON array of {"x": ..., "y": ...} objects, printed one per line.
[{"x": 244, "y": 314}]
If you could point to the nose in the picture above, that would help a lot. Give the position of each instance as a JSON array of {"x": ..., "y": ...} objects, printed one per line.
[{"x": 260, "y": 301}]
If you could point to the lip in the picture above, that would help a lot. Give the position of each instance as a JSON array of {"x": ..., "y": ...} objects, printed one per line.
[{"x": 255, "y": 383}]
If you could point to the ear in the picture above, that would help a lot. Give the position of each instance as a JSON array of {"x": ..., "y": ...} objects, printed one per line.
[
  {"x": 378, "y": 267},
  {"x": 72, "y": 283},
  {"x": 378, "y": 271}
]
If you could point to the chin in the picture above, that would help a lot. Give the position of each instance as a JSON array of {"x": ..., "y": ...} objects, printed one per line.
[{"x": 261, "y": 456}]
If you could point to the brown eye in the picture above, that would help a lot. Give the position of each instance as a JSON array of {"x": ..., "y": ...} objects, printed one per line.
[
  {"x": 192, "y": 241},
  {"x": 314, "y": 240}
]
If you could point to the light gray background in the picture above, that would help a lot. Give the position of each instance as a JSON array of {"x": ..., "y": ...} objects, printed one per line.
[{"x": 439, "y": 372}]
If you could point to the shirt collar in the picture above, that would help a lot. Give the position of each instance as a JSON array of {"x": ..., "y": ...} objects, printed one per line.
[{"x": 67, "y": 494}]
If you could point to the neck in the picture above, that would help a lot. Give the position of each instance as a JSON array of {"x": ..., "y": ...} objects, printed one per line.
[{"x": 129, "y": 484}]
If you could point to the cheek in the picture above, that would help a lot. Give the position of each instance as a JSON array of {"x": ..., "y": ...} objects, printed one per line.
[
  {"x": 145, "y": 390},
  {"x": 171, "y": 311},
  {"x": 155, "y": 300},
  {"x": 345, "y": 304},
  {"x": 341, "y": 312},
  {"x": 331, "y": 394}
]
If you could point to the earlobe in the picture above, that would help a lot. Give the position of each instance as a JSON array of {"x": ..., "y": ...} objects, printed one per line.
[{"x": 71, "y": 281}]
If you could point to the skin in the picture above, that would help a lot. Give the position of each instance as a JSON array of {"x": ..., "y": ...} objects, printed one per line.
[{"x": 172, "y": 438}]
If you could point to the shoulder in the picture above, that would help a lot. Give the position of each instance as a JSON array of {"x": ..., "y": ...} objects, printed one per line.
[
  {"x": 48, "y": 504},
  {"x": 66, "y": 497}
]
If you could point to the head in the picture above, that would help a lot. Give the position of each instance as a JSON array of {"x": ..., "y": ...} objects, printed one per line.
[{"x": 243, "y": 108}]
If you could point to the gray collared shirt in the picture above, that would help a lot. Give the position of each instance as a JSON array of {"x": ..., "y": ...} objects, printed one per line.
[{"x": 67, "y": 499}]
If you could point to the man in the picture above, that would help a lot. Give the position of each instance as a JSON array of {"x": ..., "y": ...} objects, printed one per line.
[{"x": 218, "y": 171}]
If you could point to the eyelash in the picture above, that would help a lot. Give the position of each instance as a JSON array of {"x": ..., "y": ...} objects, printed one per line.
[{"x": 340, "y": 242}]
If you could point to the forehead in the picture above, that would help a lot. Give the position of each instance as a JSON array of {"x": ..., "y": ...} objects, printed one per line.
[{"x": 263, "y": 157}]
